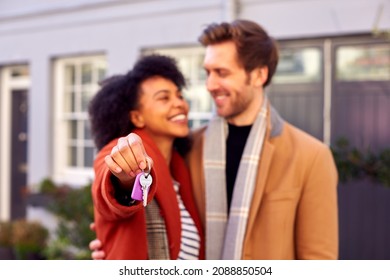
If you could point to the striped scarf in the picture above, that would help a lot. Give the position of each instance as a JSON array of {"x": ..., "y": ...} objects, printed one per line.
[{"x": 225, "y": 234}]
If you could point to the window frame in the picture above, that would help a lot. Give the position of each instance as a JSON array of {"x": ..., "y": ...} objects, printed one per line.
[
  {"x": 194, "y": 79},
  {"x": 63, "y": 172}
]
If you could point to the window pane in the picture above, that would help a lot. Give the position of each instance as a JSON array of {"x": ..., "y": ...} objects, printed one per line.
[
  {"x": 362, "y": 63},
  {"x": 101, "y": 73},
  {"x": 19, "y": 71},
  {"x": 87, "y": 130},
  {"x": 299, "y": 66},
  {"x": 88, "y": 156},
  {"x": 72, "y": 159},
  {"x": 70, "y": 75},
  {"x": 86, "y": 96},
  {"x": 184, "y": 64},
  {"x": 201, "y": 72},
  {"x": 86, "y": 73},
  {"x": 73, "y": 130},
  {"x": 198, "y": 98},
  {"x": 69, "y": 101},
  {"x": 199, "y": 120}
]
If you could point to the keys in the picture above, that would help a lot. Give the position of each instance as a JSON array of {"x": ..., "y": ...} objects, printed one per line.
[
  {"x": 137, "y": 192},
  {"x": 145, "y": 181},
  {"x": 142, "y": 183}
]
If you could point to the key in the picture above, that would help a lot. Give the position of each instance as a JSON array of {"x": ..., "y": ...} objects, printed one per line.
[
  {"x": 145, "y": 181},
  {"x": 137, "y": 193}
]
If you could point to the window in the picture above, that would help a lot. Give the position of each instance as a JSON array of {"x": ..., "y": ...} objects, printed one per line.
[
  {"x": 190, "y": 61},
  {"x": 363, "y": 63},
  {"x": 297, "y": 90},
  {"x": 299, "y": 65},
  {"x": 76, "y": 81}
]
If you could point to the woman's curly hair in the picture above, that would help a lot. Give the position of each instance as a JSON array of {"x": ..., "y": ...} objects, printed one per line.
[{"x": 119, "y": 94}]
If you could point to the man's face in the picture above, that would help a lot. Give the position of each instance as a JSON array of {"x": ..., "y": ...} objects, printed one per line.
[{"x": 237, "y": 94}]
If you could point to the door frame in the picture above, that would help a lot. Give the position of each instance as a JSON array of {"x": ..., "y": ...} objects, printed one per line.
[{"x": 7, "y": 85}]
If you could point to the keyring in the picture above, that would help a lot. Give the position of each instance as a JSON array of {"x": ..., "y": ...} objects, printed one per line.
[{"x": 147, "y": 173}]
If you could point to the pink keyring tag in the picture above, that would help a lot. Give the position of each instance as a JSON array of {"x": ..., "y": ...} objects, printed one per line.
[{"x": 136, "y": 194}]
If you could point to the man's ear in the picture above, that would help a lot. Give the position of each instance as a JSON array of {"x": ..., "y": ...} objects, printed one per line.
[
  {"x": 136, "y": 118},
  {"x": 260, "y": 76}
]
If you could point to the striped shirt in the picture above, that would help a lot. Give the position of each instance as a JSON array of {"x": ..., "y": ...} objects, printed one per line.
[{"x": 190, "y": 240}]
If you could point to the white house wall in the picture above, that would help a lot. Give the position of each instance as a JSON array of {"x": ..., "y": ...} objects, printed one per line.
[
  {"x": 313, "y": 18},
  {"x": 119, "y": 31},
  {"x": 36, "y": 32}
]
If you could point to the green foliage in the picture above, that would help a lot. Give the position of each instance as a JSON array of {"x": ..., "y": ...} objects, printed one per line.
[
  {"x": 29, "y": 239},
  {"x": 384, "y": 167},
  {"x": 355, "y": 164},
  {"x": 73, "y": 208},
  {"x": 59, "y": 250},
  {"x": 47, "y": 186}
]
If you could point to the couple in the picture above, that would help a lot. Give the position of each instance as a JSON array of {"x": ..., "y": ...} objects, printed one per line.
[{"x": 246, "y": 186}]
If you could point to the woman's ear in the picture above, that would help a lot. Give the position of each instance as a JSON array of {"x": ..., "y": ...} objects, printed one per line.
[{"x": 136, "y": 118}]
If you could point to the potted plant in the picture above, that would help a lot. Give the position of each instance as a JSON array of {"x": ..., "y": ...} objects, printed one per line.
[
  {"x": 29, "y": 239},
  {"x": 6, "y": 251},
  {"x": 43, "y": 197}
]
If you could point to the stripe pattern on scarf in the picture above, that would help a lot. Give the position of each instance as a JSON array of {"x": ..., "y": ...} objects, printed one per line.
[
  {"x": 190, "y": 240},
  {"x": 225, "y": 234}
]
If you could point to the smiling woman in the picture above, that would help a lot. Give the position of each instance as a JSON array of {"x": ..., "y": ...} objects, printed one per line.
[
  {"x": 137, "y": 118},
  {"x": 162, "y": 112}
]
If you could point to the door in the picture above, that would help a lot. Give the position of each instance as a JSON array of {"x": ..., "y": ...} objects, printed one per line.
[{"x": 18, "y": 153}]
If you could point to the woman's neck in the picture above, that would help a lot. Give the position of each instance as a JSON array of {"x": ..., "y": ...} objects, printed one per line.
[{"x": 165, "y": 146}]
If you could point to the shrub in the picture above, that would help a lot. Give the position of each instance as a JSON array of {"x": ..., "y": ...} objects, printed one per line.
[
  {"x": 353, "y": 163},
  {"x": 73, "y": 208},
  {"x": 29, "y": 239},
  {"x": 5, "y": 234}
]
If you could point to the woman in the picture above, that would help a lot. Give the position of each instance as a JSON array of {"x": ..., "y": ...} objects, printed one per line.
[{"x": 145, "y": 111}]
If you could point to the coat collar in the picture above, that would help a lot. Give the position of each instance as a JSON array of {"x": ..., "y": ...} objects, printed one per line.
[{"x": 275, "y": 122}]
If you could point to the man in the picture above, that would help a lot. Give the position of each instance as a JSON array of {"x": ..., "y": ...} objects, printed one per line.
[{"x": 264, "y": 189}]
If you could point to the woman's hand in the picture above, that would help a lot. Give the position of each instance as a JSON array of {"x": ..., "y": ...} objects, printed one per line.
[{"x": 128, "y": 158}]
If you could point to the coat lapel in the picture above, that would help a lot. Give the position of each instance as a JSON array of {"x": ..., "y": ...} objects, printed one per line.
[
  {"x": 274, "y": 128},
  {"x": 265, "y": 162}
]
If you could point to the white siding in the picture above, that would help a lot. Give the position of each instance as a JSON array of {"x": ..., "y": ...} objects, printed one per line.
[{"x": 35, "y": 32}]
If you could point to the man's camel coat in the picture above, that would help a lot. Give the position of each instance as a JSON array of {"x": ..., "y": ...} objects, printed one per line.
[{"x": 293, "y": 213}]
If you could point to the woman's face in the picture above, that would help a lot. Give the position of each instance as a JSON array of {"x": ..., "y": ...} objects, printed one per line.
[{"x": 162, "y": 110}]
